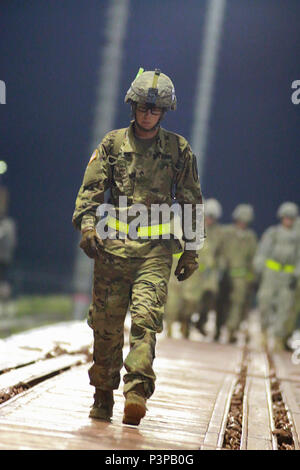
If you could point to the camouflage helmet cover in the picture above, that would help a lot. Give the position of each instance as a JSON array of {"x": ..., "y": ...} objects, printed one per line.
[
  {"x": 243, "y": 213},
  {"x": 154, "y": 88},
  {"x": 212, "y": 208},
  {"x": 287, "y": 209}
]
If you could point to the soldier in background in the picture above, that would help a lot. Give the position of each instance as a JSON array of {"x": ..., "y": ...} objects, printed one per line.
[
  {"x": 200, "y": 290},
  {"x": 7, "y": 244},
  {"x": 174, "y": 305},
  {"x": 277, "y": 261},
  {"x": 239, "y": 246},
  {"x": 295, "y": 317}
]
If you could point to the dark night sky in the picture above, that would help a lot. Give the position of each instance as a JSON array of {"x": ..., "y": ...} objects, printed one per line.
[{"x": 49, "y": 61}]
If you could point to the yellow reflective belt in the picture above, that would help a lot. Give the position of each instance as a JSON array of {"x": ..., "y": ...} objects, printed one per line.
[
  {"x": 152, "y": 230},
  {"x": 275, "y": 266},
  {"x": 289, "y": 268},
  {"x": 271, "y": 264},
  {"x": 147, "y": 231},
  {"x": 177, "y": 255},
  {"x": 117, "y": 225},
  {"x": 238, "y": 272}
]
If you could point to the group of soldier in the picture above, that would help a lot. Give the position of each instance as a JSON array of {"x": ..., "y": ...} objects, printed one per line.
[{"x": 238, "y": 273}]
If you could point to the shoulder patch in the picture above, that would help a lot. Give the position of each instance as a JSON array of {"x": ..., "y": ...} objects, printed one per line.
[{"x": 94, "y": 155}]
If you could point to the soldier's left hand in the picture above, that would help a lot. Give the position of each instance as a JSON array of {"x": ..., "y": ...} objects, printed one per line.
[{"x": 188, "y": 264}]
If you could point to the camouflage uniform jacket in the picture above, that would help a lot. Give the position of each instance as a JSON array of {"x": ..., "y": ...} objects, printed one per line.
[
  {"x": 144, "y": 177},
  {"x": 279, "y": 247},
  {"x": 210, "y": 257},
  {"x": 297, "y": 226},
  {"x": 239, "y": 248}
]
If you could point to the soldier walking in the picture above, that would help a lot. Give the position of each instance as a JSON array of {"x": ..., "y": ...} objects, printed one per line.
[
  {"x": 199, "y": 292},
  {"x": 239, "y": 248},
  {"x": 294, "y": 323},
  {"x": 149, "y": 166},
  {"x": 277, "y": 261},
  {"x": 174, "y": 305}
]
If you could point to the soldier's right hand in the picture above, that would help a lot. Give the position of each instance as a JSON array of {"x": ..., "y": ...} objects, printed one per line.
[
  {"x": 187, "y": 264},
  {"x": 90, "y": 243}
]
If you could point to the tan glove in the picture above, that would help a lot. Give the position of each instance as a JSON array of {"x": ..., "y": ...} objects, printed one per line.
[
  {"x": 90, "y": 243},
  {"x": 188, "y": 263}
]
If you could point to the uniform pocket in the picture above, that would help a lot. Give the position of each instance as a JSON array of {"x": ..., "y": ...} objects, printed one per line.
[
  {"x": 161, "y": 291},
  {"x": 121, "y": 177}
]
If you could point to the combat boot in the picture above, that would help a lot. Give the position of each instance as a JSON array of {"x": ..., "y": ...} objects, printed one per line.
[
  {"x": 103, "y": 405},
  {"x": 135, "y": 406}
]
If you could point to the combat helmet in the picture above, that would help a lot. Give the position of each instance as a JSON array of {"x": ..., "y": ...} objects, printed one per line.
[
  {"x": 287, "y": 209},
  {"x": 152, "y": 88},
  {"x": 243, "y": 213},
  {"x": 213, "y": 208}
]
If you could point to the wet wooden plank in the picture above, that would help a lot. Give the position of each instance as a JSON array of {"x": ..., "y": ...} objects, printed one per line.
[
  {"x": 51, "y": 406},
  {"x": 54, "y": 414},
  {"x": 286, "y": 369},
  {"x": 257, "y": 409},
  {"x": 214, "y": 436},
  {"x": 258, "y": 426},
  {"x": 38, "y": 370},
  {"x": 30, "y": 346}
]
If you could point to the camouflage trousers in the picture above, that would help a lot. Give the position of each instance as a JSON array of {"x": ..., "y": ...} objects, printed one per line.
[
  {"x": 137, "y": 284},
  {"x": 275, "y": 302},
  {"x": 239, "y": 298},
  {"x": 200, "y": 291}
]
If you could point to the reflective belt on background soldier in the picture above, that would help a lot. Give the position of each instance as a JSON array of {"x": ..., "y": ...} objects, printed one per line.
[
  {"x": 144, "y": 231},
  {"x": 275, "y": 266},
  {"x": 242, "y": 272}
]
